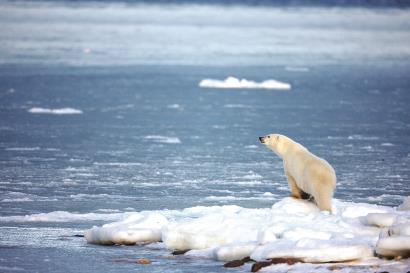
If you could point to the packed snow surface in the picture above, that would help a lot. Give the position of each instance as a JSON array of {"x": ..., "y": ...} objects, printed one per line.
[
  {"x": 290, "y": 228},
  {"x": 59, "y": 111},
  {"x": 232, "y": 82}
]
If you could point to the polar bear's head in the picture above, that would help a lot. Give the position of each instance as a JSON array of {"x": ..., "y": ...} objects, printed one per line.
[{"x": 277, "y": 143}]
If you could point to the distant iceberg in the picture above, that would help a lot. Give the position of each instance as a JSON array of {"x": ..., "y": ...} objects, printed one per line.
[
  {"x": 232, "y": 82},
  {"x": 58, "y": 111}
]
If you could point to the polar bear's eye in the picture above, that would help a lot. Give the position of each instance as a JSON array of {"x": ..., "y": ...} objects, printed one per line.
[{"x": 268, "y": 136}]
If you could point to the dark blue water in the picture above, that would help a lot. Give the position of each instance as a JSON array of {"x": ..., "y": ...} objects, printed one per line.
[{"x": 148, "y": 138}]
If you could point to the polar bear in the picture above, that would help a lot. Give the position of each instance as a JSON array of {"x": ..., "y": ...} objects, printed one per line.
[{"x": 306, "y": 173}]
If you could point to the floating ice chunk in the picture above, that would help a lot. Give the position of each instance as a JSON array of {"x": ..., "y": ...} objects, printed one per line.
[
  {"x": 313, "y": 251},
  {"x": 393, "y": 246},
  {"x": 252, "y": 176},
  {"x": 137, "y": 228},
  {"x": 251, "y": 147},
  {"x": 63, "y": 216},
  {"x": 234, "y": 251},
  {"x": 207, "y": 253},
  {"x": 232, "y": 82},
  {"x": 405, "y": 205},
  {"x": 267, "y": 194},
  {"x": 220, "y": 198},
  {"x": 400, "y": 229},
  {"x": 387, "y": 144},
  {"x": 174, "y": 106},
  {"x": 164, "y": 139},
  {"x": 236, "y": 106},
  {"x": 59, "y": 111},
  {"x": 395, "y": 240},
  {"x": 381, "y": 219},
  {"x": 23, "y": 149}
]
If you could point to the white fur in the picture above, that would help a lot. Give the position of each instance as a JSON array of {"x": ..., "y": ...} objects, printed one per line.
[{"x": 305, "y": 171}]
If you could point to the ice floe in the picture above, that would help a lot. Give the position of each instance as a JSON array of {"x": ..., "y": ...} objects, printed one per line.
[
  {"x": 58, "y": 111},
  {"x": 290, "y": 228},
  {"x": 142, "y": 228},
  {"x": 232, "y": 82},
  {"x": 163, "y": 139},
  {"x": 65, "y": 216}
]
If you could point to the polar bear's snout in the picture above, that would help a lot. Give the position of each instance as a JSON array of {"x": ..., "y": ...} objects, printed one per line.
[{"x": 264, "y": 139}]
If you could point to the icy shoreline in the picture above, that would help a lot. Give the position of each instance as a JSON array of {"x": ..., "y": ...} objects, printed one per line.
[{"x": 292, "y": 228}]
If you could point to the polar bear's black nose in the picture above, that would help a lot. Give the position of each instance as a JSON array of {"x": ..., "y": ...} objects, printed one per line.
[{"x": 262, "y": 139}]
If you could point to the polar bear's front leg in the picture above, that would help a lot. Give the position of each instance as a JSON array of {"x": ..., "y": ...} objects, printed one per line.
[{"x": 295, "y": 191}]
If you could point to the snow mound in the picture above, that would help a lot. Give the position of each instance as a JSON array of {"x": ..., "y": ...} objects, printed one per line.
[
  {"x": 232, "y": 82},
  {"x": 290, "y": 228},
  {"x": 59, "y": 111}
]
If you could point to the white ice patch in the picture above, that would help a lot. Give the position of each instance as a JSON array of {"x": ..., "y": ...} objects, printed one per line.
[
  {"x": 23, "y": 149},
  {"x": 381, "y": 219},
  {"x": 163, "y": 139},
  {"x": 291, "y": 228},
  {"x": 232, "y": 82},
  {"x": 59, "y": 111},
  {"x": 313, "y": 250},
  {"x": 137, "y": 228},
  {"x": 64, "y": 216},
  {"x": 220, "y": 198},
  {"x": 234, "y": 251},
  {"x": 394, "y": 239},
  {"x": 12, "y": 196},
  {"x": 236, "y": 106},
  {"x": 174, "y": 106}
]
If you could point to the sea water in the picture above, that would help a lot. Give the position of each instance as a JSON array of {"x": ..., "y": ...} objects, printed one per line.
[{"x": 102, "y": 115}]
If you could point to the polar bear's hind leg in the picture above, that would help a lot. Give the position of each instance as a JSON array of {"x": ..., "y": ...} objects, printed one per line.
[{"x": 323, "y": 198}]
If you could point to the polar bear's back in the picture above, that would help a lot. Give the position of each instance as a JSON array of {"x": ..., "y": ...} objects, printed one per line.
[{"x": 318, "y": 170}]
